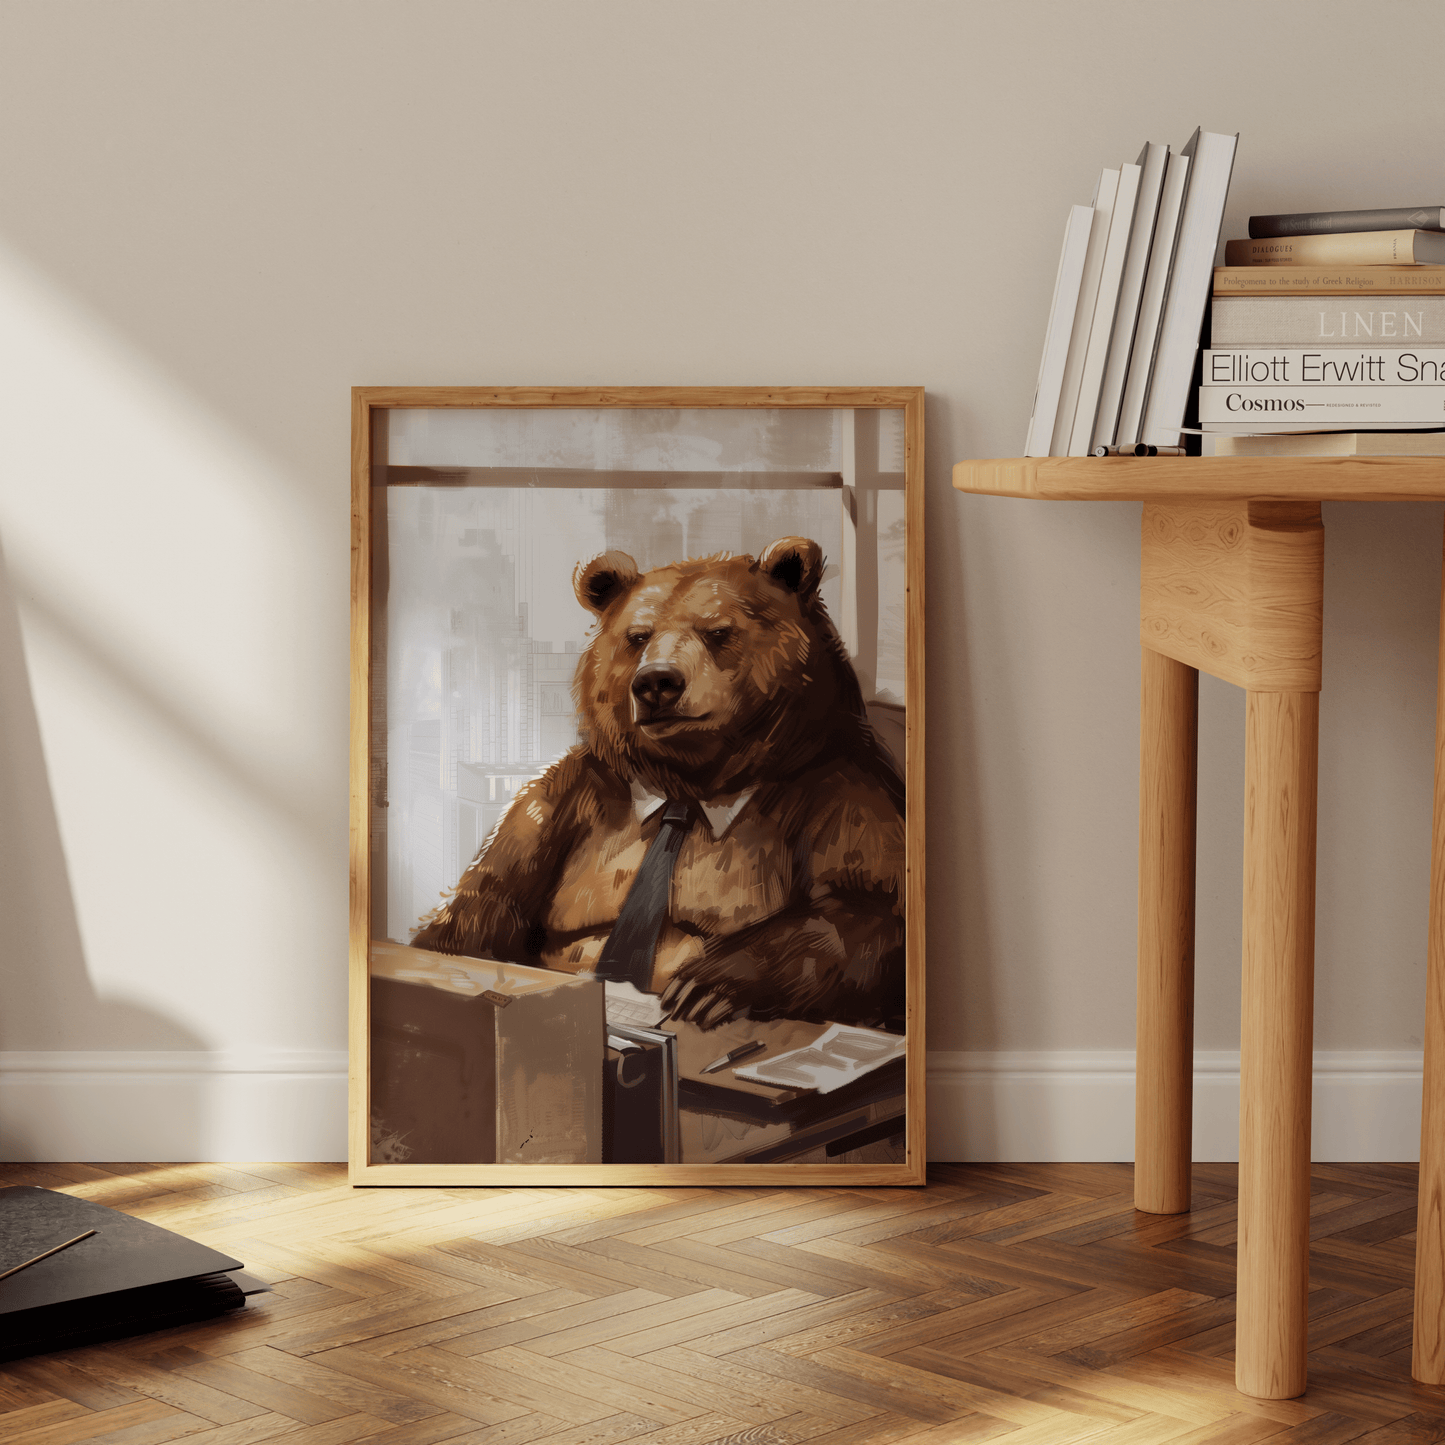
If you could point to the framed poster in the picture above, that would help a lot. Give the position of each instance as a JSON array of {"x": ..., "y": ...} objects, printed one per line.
[{"x": 637, "y": 786}]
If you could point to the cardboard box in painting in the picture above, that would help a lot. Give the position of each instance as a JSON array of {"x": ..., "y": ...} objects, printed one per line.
[{"x": 475, "y": 1062}]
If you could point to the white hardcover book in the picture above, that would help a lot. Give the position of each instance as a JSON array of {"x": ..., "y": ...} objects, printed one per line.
[
  {"x": 1189, "y": 285},
  {"x": 1323, "y": 366},
  {"x": 1056, "y": 337},
  {"x": 1101, "y": 332},
  {"x": 1151, "y": 303},
  {"x": 1327, "y": 321},
  {"x": 1084, "y": 313},
  {"x": 1316, "y": 408},
  {"x": 1152, "y": 161},
  {"x": 1334, "y": 444}
]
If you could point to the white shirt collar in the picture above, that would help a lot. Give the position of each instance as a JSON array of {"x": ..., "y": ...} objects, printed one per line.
[{"x": 719, "y": 814}]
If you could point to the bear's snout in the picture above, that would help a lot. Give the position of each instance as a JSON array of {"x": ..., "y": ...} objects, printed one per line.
[{"x": 657, "y": 686}]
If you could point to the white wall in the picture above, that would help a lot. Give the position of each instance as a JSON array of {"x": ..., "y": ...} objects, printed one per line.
[{"x": 215, "y": 218}]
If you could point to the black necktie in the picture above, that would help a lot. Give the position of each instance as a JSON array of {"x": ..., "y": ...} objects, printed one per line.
[{"x": 627, "y": 956}]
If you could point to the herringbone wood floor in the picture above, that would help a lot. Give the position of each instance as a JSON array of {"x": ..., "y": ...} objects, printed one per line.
[{"x": 1019, "y": 1301}]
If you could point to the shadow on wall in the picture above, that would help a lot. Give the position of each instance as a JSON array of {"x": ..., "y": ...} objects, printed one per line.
[{"x": 47, "y": 997}]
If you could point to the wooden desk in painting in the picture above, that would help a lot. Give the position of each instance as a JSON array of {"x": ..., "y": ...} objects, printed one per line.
[
  {"x": 479, "y": 1062},
  {"x": 1232, "y": 584}
]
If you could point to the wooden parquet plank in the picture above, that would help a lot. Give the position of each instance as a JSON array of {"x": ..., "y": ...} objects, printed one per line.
[
  {"x": 595, "y": 1324},
  {"x": 647, "y": 1374},
  {"x": 421, "y": 1379},
  {"x": 61, "y": 1377},
  {"x": 139, "y": 1423},
  {"x": 861, "y": 1326},
  {"x": 727, "y": 1322},
  {"x": 165, "y": 1387},
  {"x": 449, "y": 1328},
  {"x": 759, "y": 1386},
  {"x": 778, "y": 1223},
  {"x": 25, "y": 1418},
  {"x": 265, "y": 1390},
  {"x": 872, "y": 1214},
  {"x": 704, "y": 1268},
  {"x": 769, "y": 1327},
  {"x": 647, "y": 1400},
  {"x": 973, "y": 1328},
  {"x": 1192, "y": 1406},
  {"x": 876, "y": 1390},
  {"x": 592, "y": 1270},
  {"x": 352, "y": 1395},
  {"x": 667, "y": 1205}
]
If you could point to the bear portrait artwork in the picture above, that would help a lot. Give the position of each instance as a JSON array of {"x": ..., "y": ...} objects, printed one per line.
[
  {"x": 719, "y": 688},
  {"x": 636, "y": 786}
]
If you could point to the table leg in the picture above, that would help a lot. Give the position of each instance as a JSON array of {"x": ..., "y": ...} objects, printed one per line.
[
  {"x": 1164, "y": 1073},
  {"x": 1428, "y": 1361},
  {"x": 1276, "y": 1035}
]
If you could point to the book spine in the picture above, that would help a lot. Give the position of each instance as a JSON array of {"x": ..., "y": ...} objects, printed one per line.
[
  {"x": 1101, "y": 333},
  {"x": 1308, "y": 321},
  {"x": 1056, "y": 337},
  {"x": 1104, "y": 196},
  {"x": 1184, "y": 307},
  {"x": 1356, "y": 248},
  {"x": 1152, "y": 161},
  {"x": 1326, "y": 367},
  {"x": 1321, "y": 223},
  {"x": 1151, "y": 304},
  {"x": 1329, "y": 281},
  {"x": 1310, "y": 408}
]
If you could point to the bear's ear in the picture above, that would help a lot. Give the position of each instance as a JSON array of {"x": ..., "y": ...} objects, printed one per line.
[
  {"x": 603, "y": 580},
  {"x": 794, "y": 563}
]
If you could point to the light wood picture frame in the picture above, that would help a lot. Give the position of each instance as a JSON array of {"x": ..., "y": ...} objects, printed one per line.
[{"x": 637, "y": 786}]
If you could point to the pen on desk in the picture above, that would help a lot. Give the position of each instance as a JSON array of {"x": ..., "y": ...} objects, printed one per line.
[
  {"x": 47, "y": 1254},
  {"x": 733, "y": 1055}
]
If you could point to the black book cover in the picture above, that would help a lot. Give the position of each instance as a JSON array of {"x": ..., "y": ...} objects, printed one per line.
[{"x": 128, "y": 1277}]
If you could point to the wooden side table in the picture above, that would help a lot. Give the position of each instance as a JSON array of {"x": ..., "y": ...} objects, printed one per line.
[{"x": 1232, "y": 583}]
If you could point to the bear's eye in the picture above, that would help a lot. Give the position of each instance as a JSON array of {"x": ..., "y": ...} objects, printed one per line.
[
  {"x": 638, "y": 635},
  {"x": 718, "y": 636}
]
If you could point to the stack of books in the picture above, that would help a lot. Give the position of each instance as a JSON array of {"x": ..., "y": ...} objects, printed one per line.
[
  {"x": 1333, "y": 325},
  {"x": 1129, "y": 302}
]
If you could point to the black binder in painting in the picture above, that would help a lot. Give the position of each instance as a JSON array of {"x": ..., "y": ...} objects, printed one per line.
[{"x": 640, "y": 1122}]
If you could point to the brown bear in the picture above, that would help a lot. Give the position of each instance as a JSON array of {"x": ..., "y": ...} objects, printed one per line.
[{"x": 719, "y": 684}]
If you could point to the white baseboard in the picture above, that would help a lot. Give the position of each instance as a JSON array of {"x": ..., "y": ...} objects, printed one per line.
[
  {"x": 167, "y": 1106},
  {"x": 1014, "y": 1106},
  {"x": 1079, "y": 1106}
]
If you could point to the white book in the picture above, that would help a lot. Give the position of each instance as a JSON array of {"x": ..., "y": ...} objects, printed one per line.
[
  {"x": 1084, "y": 313},
  {"x": 1189, "y": 285},
  {"x": 1056, "y": 337},
  {"x": 1151, "y": 303},
  {"x": 1334, "y": 444},
  {"x": 1323, "y": 366},
  {"x": 1152, "y": 162},
  {"x": 1313, "y": 408},
  {"x": 1101, "y": 332}
]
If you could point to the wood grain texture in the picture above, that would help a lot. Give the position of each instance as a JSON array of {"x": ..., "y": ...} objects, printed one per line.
[
  {"x": 1429, "y": 1333},
  {"x": 359, "y": 837},
  {"x": 1105, "y": 479},
  {"x": 370, "y": 402},
  {"x": 1019, "y": 1301},
  {"x": 1236, "y": 589},
  {"x": 1276, "y": 1032},
  {"x": 1164, "y": 1077},
  {"x": 643, "y": 396},
  {"x": 915, "y": 781}
]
